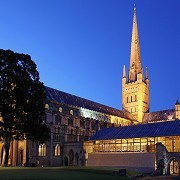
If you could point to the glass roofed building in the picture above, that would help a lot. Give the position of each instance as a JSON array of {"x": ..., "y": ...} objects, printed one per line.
[{"x": 138, "y": 138}]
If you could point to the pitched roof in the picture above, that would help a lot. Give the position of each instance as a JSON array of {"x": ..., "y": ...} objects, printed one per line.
[
  {"x": 54, "y": 95},
  {"x": 160, "y": 129},
  {"x": 159, "y": 115}
]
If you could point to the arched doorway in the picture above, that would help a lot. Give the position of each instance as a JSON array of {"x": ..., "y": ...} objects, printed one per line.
[
  {"x": 77, "y": 159},
  {"x": 71, "y": 157},
  {"x": 66, "y": 161},
  {"x": 174, "y": 166}
]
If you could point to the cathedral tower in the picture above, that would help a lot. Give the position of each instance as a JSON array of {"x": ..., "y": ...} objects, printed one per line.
[{"x": 135, "y": 88}]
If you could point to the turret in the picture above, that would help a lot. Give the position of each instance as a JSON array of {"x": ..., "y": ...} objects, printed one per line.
[{"x": 177, "y": 110}]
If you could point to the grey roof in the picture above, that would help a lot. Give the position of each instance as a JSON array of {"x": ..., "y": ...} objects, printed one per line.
[
  {"x": 159, "y": 129},
  {"x": 54, "y": 95},
  {"x": 159, "y": 115}
]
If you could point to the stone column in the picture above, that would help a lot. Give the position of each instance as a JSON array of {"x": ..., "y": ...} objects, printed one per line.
[{"x": 14, "y": 152}]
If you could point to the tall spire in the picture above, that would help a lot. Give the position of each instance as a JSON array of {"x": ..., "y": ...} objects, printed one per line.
[{"x": 135, "y": 59}]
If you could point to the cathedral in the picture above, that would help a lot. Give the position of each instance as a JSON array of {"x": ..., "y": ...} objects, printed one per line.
[{"x": 86, "y": 133}]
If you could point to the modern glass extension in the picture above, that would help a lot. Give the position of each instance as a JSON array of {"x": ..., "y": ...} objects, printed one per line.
[
  {"x": 138, "y": 138},
  {"x": 137, "y": 144}
]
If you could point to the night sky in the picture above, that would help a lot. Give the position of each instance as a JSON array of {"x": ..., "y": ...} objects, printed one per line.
[{"x": 80, "y": 46}]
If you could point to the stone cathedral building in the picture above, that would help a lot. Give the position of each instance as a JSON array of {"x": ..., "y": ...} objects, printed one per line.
[{"x": 86, "y": 133}]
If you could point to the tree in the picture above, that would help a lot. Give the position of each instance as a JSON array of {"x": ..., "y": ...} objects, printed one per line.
[{"x": 22, "y": 98}]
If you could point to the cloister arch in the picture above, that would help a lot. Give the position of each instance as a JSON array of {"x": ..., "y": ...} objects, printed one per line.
[{"x": 173, "y": 166}]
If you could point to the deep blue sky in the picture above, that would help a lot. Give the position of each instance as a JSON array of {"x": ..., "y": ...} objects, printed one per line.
[{"x": 80, "y": 46}]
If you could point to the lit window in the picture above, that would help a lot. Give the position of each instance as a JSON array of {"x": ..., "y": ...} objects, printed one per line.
[
  {"x": 71, "y": 112},
  {"x": 57, "y": 150},
  {"x": 42, "y": 150},
  {"x": 60, "y": 109},
  {"x": 47, "y": 106}
]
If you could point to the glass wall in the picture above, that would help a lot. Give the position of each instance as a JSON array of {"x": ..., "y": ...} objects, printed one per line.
[{"x": 137, "y": 144}]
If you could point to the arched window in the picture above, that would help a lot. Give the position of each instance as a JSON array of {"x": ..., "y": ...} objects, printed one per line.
[
  {"x": 71, "y": 112},
  {"x": 60, "y": 109},
  {"x": 174, "y": 167},
  {"x": 57, "y": 150},
  {"x": 47, "y": 106},
  {"x": 42, "y": 150}
]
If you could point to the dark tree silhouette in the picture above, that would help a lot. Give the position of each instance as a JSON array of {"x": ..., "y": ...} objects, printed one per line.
[{"x": 22, "y": 98}]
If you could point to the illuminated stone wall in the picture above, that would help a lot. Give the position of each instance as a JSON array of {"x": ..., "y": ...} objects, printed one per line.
[
  {"x": 139, "y": 161},
  {"x": 135, "y": 97}
]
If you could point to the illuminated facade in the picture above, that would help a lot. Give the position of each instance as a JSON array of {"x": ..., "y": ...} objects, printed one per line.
[
  {"x": 72, "y": 120},
  {"x": 126, "y": 135}
]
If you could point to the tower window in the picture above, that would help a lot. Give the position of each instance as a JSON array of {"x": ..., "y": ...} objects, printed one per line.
[
  {"x": 131, "y": 98},
  {"x": 135, "y": 97},
  {"x": 127, "y": 99}
]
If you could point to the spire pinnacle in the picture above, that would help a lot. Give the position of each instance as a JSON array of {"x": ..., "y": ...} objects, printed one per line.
[
  {"x": 177, "y": 102},
  {"x": 124, "y": 71},
  {"x": 146, "y": 77}
]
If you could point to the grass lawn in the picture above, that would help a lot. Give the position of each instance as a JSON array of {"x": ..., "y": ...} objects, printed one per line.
[{"x": 62, "y": 173}]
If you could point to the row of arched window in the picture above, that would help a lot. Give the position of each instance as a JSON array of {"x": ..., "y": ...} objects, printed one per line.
[
  {"x": 60, "y": 109},
  {"x": 131, "y": 98},
  {"x": 42, "y": 150}
]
